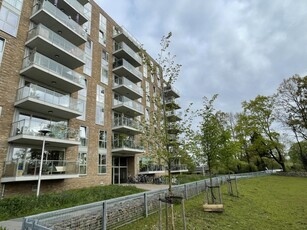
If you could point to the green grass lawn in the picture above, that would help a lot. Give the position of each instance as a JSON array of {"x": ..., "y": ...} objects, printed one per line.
[{"x": 268, "y": 203}]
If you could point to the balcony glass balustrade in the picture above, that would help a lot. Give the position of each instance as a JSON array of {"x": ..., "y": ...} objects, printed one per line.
[
  {"x": 32, "y": 128},
  {"x": 125, "y": 101},
  {"x": 125, "y": 121},
  {"x": 132, "y": 70},
  {"x": 126, "y": 144},
  {"x": 152, "y": 168},
  {"x": 172, "y": 91},
  {"x": 30, "y": 167},
  {"x": 62, "y": 17},
  {"x": 77, "y": 6},
  {"x": 49, "y": 96},
  {"x": 125, "y": 32},
  {"x": 53, "y": 67},
  {"x": 173, "y": 113},
  {"x": 128, "y": 50},
  {"x": 122, "y": 81},
  {"x": 56, "y": 40}
]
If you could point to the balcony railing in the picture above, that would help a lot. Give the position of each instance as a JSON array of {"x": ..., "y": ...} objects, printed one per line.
[
  {"x": 57, "y": 131},
  {"x": 173, "y": 113},
  {"x": 30, "y": 167},
  {"x": 171, "y": 100},
  {"x": 49, "y": 96},
  {"x": 125, "y": 101},
  {"x": 129, "y": 84},
  {"x": 56, "y": 40},
  {"x": 60, "y": 16},
  {"x": 124, "y": 31},
  {"x": 126, "y": 144},
  {"x": 125, "y": 121},
  {"x": 128, "y": 50},
  {"x": 152, "y": 168},
  {"x": 123, "y": 63},
  {"x": 168, "y": 89},
  {"x": 181, "y": 167},
  {"x": 53, "y": 67},
  {"x": 77, "y": 6}
]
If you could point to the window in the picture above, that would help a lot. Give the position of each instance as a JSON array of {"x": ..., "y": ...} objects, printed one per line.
[
  {"x": 8, "y": 21},
  {"x": 102, "y": 39},
  {"x": 145, "y": 70},
  {"x": 100, "y": 94},
  {"x": 83, "y": 135},
  {"x": 99, "y": 115},
  {"x": 104, "y": 75},
  {"x": 102, "y": 163},
  {"x": 102, "y": 140},
  {"x": 82, "y": 163},
  {"x": 105, "y": 58},
  {"x": 88, "y": 12},
  {"x": 16, "y": 4},
  {"x": 2, "y": 41},
  {"x": 82, "y": 94},
  {"x": 87, "y": 68}
]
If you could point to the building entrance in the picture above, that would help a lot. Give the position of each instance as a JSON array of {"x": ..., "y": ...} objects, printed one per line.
[{"x": 119, "y": 170}]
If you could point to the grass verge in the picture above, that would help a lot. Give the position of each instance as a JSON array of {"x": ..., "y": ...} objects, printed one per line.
[
  {"x": 271, "y": 202},
  {"x": 20, "y": 206}
]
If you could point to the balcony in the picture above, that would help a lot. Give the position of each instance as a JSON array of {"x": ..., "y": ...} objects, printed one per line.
[
  {"x": 123, "y": 68},
  {"x": 151, "y": 169},
  {"x": 83, "y": 2},
  {"x": 28, "y": 170},
  {"x": 126, "y": 125},
  {"x": 52, "y": 45},
  {"x": 127, "y": 106},
  {"x": 45, "y": 70},
  {"x": 173, "y": 116},
  {"x": 73, "y": 9},
  {"x": 171, "y": 91},
  {"x": 36, "y": 98},
  {"x": 173, "y": 128},
  {"x": 179, "y": 168},
  {"x": 57, "y": 21},
  {"x": 26, "y": 133},
  {"x": 123, "y": 86},
  {"x": 121, "y": 50},
  {"x": 122, "y": 35},
  {"x": 172, "y": 103},
  {"x": 126, "y": 147}
]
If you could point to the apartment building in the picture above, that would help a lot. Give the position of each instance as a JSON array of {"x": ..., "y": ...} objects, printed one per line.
[{"x": 73, "y": 91}]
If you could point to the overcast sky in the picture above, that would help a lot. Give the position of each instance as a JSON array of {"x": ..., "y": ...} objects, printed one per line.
[{"x": 237, "y": 49}]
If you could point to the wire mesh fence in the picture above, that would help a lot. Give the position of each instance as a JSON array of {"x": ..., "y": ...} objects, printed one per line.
[{"x": 113, "y": 213}]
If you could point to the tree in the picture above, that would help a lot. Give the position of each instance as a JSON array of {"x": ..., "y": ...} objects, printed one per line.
[
  {"x": 298, "y": 154},
  {"x": 261, "y": 118},
  {"x": 291, "y": 99}
]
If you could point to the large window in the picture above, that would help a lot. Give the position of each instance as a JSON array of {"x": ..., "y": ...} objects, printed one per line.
[
  {"x": 102, "y": 151},
  {"x": 82, "y": 94},
  {"x": 2, "y": 41},
  {"x": 102, "y": 29},
  {"x": 102, "y": 139},
  {"x": 104, "y": 75},
  {"x": 82, "y": 163},
  {"x": 100, "y": 105},
  {"x": 9, "y": 16},
  {"x": 88, "y": 13},
  {"x": 87, "y": 68},
  {"x": 102, "y": 163},
  {"x": 83, "y": 135}
]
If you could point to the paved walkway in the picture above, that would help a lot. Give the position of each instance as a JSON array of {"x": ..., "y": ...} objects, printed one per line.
[{"x": 16, "y": 224}]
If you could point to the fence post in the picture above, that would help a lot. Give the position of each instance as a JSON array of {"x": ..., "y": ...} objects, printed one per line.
[
  {"x": 104, "y": 215},
  {"x": 196, "y": 188},
  {"x": 145, "y": 204},
  {"x": 185, "y": 192}
]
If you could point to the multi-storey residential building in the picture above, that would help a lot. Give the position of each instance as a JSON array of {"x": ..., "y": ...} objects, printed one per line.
[{"x": 73, "y": 89}]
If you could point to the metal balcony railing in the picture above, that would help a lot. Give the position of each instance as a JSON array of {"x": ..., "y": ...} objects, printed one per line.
[
  {"x": 152, "y": 168},
  {"x": 30, "y": 167},
  {"x": 53, "y": 67},
  {"x": 49, "y": 96},
  {"x": 57, "y": 131},
  {"x": 62, "y": 17},
  {"x": 56, "y": 40},
  {"x": 123, "y": 30}
]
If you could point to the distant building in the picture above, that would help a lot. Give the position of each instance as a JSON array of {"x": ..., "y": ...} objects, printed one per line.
[{"x": 67, "y": 67}]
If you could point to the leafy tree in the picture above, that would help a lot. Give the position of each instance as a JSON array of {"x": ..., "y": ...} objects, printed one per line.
[
  {"x": 298, "y": 154},
  {"x": 265, "y": 140},
  {"x": 291, "y": 99}
]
